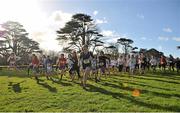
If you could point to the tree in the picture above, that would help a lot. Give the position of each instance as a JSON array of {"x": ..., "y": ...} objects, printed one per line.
[
  {"x": 15, "y": 39},
  {"x": 80, "y": 30},
  {"x": 112, "y": 49},
  {"x": 126, "y": 43},
  {"x": 153, "y": 52},
  {"x": 96, "y": 42}
]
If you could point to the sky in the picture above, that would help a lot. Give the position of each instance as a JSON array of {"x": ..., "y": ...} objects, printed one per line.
[{"x": 149, "y": 23}]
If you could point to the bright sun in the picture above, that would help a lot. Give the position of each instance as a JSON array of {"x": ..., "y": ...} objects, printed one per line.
[
  {"x": 29, "y": 14},
  {"x": 26, "y": 12}
]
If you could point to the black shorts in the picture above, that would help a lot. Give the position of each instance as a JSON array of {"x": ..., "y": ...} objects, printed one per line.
[
  {"x": 86, "y": 65},
  {"x": 143, "y": 65},
  {"x": 102, "y": 65},
  {"x": 120, "y": 68}
]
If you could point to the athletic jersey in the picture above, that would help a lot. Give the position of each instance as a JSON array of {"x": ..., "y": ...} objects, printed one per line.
[
  {"x": 94, "y": 63},
  {"x": 132, "y": 62},
  {"x": 43, "y": 61},
  {"x": 163, "y": 60},
  {"x": 35, "y": 61},
  {"x": 113, "y": 62},
  {"x": 12, "y": 59},
  {"x": 86, "y": 58},
  {"x": 153, "y": 61},
  {"x": 48, "y": 64},
  {"x": 102, "y": 61},
  {"x": 70, "y": 63},
  {"x": 120, "y": 61},
  {"x": 62, "y": 62},
  {"x": 178, "y": 63}
]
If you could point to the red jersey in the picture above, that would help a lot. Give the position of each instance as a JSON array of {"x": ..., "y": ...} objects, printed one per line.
[
  {"x": 62, "y": 61},
  {"x": 35, "y": 61},
  {"x": 163, "y": 60}
]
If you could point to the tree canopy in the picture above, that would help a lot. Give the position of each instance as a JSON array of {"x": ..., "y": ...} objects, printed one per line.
[
  {"x": 80, "y": 30},
  {"x": 14, "y": 38}
]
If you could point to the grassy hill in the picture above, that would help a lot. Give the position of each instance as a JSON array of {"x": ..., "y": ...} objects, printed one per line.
[{"x": 158, "y": 92}]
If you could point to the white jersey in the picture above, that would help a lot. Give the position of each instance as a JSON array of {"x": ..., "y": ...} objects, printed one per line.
[
  {"x": 70, "y": 63},
  {"x": 132, "y": 63},
  {"x": 120, "y": 61},
  {"x": 153, "y": 61},
  {"x": 113, "y": 62}
]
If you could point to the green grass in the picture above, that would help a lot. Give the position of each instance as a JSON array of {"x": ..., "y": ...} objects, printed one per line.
[{"x": 159, "y": 92}]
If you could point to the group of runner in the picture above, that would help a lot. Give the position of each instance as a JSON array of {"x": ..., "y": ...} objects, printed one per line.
[{"x": 90, "y": 65}]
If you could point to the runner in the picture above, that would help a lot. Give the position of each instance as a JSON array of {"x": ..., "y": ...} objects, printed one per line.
[
  {"x": 153, "y": 63},
  {"x": 62, "y": 65},
  {"x": 43, "y": 61},
  {"x": 113, "y": 65},
  {"x": 94, "y": 68},
  {"x": 48, "y": 67},
  {"x": 108, "y": 63},
  {"x": 76, "y": 64},
  {"x": 142, "y": 63},
  {"x": 12, "y": 61},
  {"x": 178, "y": 64},
  {"x": 71, "y": 66},
  {"x": 132, "y": 63},
  {"x": 103, "y": 63},
  {"x": 163, "y": 62},
  {"x": 85, "y": 58},
  {"x": 120, "y": 63},
  {"x": 171, "y": 62},
  {"x": 127, "y": 61},
  {"x": 35, "y": 66}
]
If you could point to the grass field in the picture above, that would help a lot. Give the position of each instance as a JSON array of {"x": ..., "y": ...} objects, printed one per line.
[{"x": 158, "y": 92}]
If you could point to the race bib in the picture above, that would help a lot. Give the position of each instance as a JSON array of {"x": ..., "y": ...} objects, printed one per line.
[
  {"x": 101, "y": 64},
  {"x": 87, "y": 61}
]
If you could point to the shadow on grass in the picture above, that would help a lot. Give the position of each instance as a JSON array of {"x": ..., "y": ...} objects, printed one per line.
[
  {"x": 164, "y": 95},
  {"x": 61, "y": 82},
  {"x": 155, "y": 79},
  {"x": 167, "y": 75},
  {"x": 16, "y": 87},
  {"x": 141, "y": 84},
  {"x": 92, "y": 88},
  {"x": 45, "y": 85}
]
